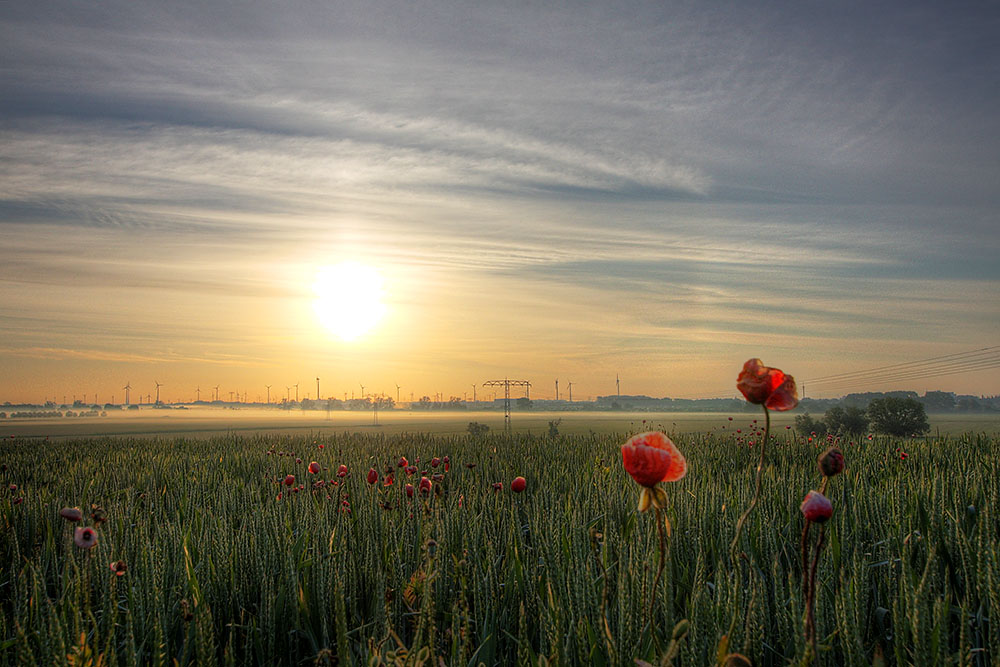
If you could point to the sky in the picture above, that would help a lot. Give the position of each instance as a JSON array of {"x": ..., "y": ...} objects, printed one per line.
[{"x": 540, "y": 191}]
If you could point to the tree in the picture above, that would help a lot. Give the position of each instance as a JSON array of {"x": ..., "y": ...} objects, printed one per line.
[
  {"x": 898, "y": 416},
  {"x": 524, "y": 403},
  {"x": 476, "y": 429},
  {"x": 807, "y": 426},
  {"x": 847, "y": 421}
]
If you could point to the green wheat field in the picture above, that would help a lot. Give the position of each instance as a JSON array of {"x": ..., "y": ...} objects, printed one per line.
[{"x": 219, "y": 570}]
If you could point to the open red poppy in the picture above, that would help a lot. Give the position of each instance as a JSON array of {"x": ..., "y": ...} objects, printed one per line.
[
  {"x": 770, "y": 387},
  {"x": 652, "y": 457}
]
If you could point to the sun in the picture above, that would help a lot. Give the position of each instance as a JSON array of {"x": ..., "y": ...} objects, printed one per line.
[{"x": 348, "y": 299}]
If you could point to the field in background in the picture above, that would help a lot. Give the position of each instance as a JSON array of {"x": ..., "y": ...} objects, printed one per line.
[
  {"x": 222, "y": 570},
  {"x": 211, "y": 421}
]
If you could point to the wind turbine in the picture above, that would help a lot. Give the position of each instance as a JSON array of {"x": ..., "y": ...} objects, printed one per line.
[
  {"x": 197, "y": 393},
  {"x": 317, "y": 389},
  {"x": 557, "y": 389},
  {"x": 473, "y": 393},
  {"x": 127, "y": 388},
  {"x": 268, "y": 393},
  {"x": 216, "y": 387},
  {"x": 158, "y": 385},
  {"x": 362, "y": 392},
  {"x": 570, "y": 385},
  {"x": 296, "y": 392},
  {"x": 397, "y": 393},
  {"x": 288, "y": 394}
]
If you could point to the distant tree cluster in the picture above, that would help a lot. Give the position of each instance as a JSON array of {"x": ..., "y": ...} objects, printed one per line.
[{"x": 892, "y": 415}]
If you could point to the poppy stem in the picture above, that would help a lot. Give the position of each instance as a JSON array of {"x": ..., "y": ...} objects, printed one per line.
[
  {"x": 756, "y": 491},
  {"x": 811, "y": 597},
  {"x": 659, "y": 570}
]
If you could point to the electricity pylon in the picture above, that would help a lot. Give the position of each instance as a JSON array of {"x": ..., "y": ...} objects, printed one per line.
[{"x": 507, "y": 384}]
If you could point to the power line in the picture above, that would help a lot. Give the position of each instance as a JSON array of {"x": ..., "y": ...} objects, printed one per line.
[{"x": 958, "y": 356}]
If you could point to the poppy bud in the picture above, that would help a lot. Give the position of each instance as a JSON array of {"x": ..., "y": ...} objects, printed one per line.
[
  {"x": 831, "y": 462},
  {"x": 71, "y": 513},
  {"x": 372, "y": 476},
  {"x": 816, "y": 507},
  {"x": 518, "y": 485}
]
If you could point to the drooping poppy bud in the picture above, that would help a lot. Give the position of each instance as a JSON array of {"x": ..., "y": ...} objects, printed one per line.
[
  {"x": 71, "y": 513},
  {"x": 518, "y": 485},
  {"x": 372, "y": 476},
  {"x": 816, "y": 507},
  {"x": 831, "y": 462}
]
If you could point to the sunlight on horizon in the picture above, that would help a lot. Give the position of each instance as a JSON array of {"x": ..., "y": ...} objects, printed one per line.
[{"x": 348, "y": 299}]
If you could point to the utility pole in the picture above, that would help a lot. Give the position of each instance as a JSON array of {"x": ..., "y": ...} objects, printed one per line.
[
  {"x": 570, "y": 385},
  {"x": 557, "y": 389}
]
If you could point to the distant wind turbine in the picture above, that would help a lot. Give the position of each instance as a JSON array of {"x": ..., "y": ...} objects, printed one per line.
[
  {"x": 268, "y": 393},
  {"x": 158, "y": 385},
  {"x": 127, "y": 388},
  {"x": 216, "y": 387}
]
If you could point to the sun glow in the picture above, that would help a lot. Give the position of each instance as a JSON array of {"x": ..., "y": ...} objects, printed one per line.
[{"x": 348, "y": 299}]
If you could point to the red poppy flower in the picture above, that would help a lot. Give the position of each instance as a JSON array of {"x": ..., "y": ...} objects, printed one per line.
[
  {"x": 816, "y": 507},
  {"x": 314, "y": 467},
  {"x": 767, "y": 386},
  {"x": 119, "y": 568},
  {"x": 389, "y": 479},
  {"x": 71, "y": 513},
  {"x": 372, "y": 476},
  {"x": 410, "y": 470},
  {"x": 651, "y": 458},
  {"x": 289, "y": 480},
  {"x": 425, "y": 485},
  {"x": 498, "y": 486},
  {"x": 518, "y": 485},
  {"x": 85, "y": 538},
  {"x": 435, "y": 462},
  {"x": 403, "y": 462},
  {"x": 298, "y": 460},
  {"x": 409, "y": 490},
  {"x": 437, "y": 477},
  {"x": 342, "y": 471}
]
